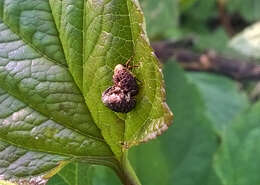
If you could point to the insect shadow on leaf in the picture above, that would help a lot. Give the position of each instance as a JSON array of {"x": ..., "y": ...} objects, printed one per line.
[{"x": 121, "y": 96}]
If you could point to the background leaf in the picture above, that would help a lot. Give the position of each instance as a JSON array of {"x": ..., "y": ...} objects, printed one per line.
[
  {"x": 248, "y": 9},
  {"x": 73, "y": 173},
  {"x": 237, "y": 162},
  {"x": 217, "y": 40},
  {"x": 155, "y": 12},
  {"x": 222, "y": 96}
]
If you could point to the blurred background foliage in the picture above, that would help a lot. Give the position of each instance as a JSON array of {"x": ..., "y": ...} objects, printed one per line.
[{"x": 214, "y": 139}]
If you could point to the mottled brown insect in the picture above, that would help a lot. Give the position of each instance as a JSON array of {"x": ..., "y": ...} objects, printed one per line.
[
  {"x": 125, "y": 80},
  {"x": 120, "y": 97}
]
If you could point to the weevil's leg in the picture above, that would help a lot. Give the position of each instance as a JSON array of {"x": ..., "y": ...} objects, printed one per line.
[
  {"x": 135, "y": 66},
  {"x": 128, "y": 61},
  {"x": 131, "y": 67}
]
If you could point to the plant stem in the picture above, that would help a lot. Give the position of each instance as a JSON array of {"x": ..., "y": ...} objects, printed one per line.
[
  {"x": 122, "y": 168},
  {"x": 126, "y": 173}
]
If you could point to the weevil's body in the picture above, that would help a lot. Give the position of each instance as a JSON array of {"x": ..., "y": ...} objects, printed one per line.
[
  {"x": 115, "y": 99},
  {"x": 124, "y": 79},
  {"x": 120, "y": 97}
]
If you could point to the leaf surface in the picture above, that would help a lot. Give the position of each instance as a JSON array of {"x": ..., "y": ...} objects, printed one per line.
[
  {"x": 114, "y": 33},
  {"x": 33, "y": 22},
  {"x": 18, "y": 162},
  {"x": 56, "y": 59},
  {"x": 43, "y": 114}
]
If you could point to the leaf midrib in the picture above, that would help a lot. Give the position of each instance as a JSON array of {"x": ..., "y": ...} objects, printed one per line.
[{"x": 73, "y": 157}]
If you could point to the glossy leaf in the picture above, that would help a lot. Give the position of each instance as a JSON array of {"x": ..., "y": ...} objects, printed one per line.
[
  {"x": 18, "y": 162},
  {"x": 33, "y": 91},
  {"x": 56, "y": 59},
  {"x": 114, "y": 33}
]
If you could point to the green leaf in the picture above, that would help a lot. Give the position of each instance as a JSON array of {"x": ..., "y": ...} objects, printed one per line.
[
  {"x": 249, "y": 9},
  {"x": 156, "y": 11},
  {"x": 18, "y": 162},
  {"x": 247, "y": 42},
  {"x": 202, "y": 10},
  {"x": 73, "y": 173},
  {"x": 56, "y": 59},
  {"x": 33, "y": 22},
  {"x": 222, "y": 96},
  {"x": 186, "y": 4},
  {"x": 149, "y": 157},
  {"x": 217, "y": 40},
  {"x": 184, "y": 154},
  {"x": 195, "y": 17},
  {"x": 114, "y": 34},
  {"x": 237, "y": 162},
  {"x": 68, "y": 16},
  {"x": 42, "y": 110},
  {"x": 84, "y": 174}
]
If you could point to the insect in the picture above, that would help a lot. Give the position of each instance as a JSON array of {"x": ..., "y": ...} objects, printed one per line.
[{"x": 121, "y": 96}]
